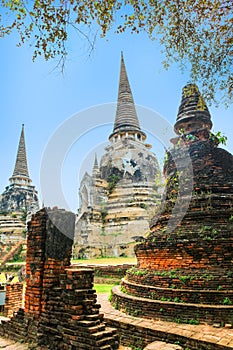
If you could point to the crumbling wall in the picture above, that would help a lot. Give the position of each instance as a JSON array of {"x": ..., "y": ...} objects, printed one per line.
[
  {"x": 13, "y": 299},
  {"x": 61, "y": 311}
]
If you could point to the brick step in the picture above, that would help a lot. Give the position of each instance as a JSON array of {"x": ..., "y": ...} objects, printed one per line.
[
  {"x": 49, "y": 330},
  {"x": 105, "y": 347},
  {"x": 93, "y": 317},
  {"x": 170, "y": 311},
  {"x": 88, "y": 323},
  {"x": 105, "y": 341},
  {"x": 192, "y": 296},
  {"x": 107, "y": 332},
  {"x": 84, "y": 291},
  {"x": 97, "y": 328},
  {"x": 83, "y": 342}
]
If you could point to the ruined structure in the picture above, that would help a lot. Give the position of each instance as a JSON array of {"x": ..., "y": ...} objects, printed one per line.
[
  {"x": 117, "y": 198},
  {"x": 20, "y": 194},
  {"x": 184, "y": 271},
  {"x": 60, "y": 310},
  {"x": 12, "y": 228}
]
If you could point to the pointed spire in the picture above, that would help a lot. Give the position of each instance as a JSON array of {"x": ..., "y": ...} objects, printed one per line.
[
  {"x": 21, "y": 167},
  {"x": 95, "y": 169},
  {"x": 193, "y": 111},
  {"x": 126, "y": 117}
]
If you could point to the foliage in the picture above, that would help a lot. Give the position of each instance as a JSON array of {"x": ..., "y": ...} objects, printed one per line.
[
  {"x": 110, "y": 296},
  {"x": 227, "y": 301},
  {"x": 24, "y": 215},
  {"x": 219, "y": 138},
  {"x": 195, "y": 33},
  {"x": 137, "y": 272},
  {"x": 112, "y": 182},
  {"x": 103, "y": 214},
  {"x": 143, "y": 206}
]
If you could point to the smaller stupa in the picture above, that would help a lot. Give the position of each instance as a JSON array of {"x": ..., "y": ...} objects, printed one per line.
[
  {"x": 184, "y": 271},
  {"x": 20, "y": 195}
]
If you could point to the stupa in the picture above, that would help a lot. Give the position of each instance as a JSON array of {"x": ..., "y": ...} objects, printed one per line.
[
  {"x": 116, "y": 199},
  {"x": 184, "y": 271},
  {"x": 20, "y": 195}
]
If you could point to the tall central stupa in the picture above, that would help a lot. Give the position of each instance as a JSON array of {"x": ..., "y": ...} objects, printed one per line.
[{"x": 116, "y": 199}]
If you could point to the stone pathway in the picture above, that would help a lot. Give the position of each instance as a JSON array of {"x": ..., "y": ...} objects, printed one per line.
[
  {"x": 7, "y": 344},
  {"x": 221, "y": 336}
]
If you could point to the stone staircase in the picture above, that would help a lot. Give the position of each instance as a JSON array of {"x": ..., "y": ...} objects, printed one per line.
[
  {"x": 14, "y": 250},
  {"x": 71, "y": 318},
  {"x": 12, "y": 228}
]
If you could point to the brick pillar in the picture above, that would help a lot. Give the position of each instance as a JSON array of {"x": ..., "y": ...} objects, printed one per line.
[
  {"x": 35, "y": 263},
  {"x": 49, "y": 249}
]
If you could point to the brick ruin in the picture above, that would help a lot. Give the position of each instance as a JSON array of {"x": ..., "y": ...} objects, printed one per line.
[
  {"x": 61, "y": 309},
  {"x": 184, "y": 273},
  {"x": 13, "y": 298}
]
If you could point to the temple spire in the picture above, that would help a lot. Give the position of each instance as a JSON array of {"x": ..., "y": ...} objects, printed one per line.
[
  {"x": 126, "y": 119},
  {"x": 193, "y": 112},
  {"x": 95, "y": 169},
  {"x": 21, "y": 174}
]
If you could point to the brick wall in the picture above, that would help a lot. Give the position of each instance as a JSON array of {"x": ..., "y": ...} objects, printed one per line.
[
  {"x": 48, "y": 254},
  {"x": 14, "y": 298},
  {"x": 61, "y": 310}
]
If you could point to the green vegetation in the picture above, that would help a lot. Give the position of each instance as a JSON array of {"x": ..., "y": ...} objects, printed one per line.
[
  {"x": 106, "y": 261},
  {"x": 208, "y": 232},
  {"x": 110, "y": 296},
  {"x": 103, "y": 214},
  {"x": 137, "y": 272},
  {"x": 112, "y": 182},
  {"x": 24, "y": 215},
  {"x": 123, "y": 290},
  {"x": 144, "y": 206},
  {"x": 227, "y": 301},
  {"x": 172, "y": 274},
  {"x": 103, "y": 288},
  {"x": 186, "y": 321},
  {"x": 219, "y": 138}
]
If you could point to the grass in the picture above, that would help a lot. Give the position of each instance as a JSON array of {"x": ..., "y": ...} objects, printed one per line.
[
  {"x": 106, "y": 261},
  {"x": 103, "y": 288},
  {"x": 3, "y": 278}
]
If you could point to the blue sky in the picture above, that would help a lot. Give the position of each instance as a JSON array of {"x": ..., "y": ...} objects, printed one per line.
[{"x": 43, "y": 99}]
